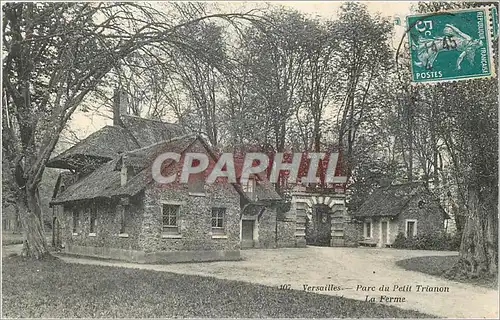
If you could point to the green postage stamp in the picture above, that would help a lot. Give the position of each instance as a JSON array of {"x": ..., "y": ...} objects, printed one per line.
[{"x": 451, "y": 45}]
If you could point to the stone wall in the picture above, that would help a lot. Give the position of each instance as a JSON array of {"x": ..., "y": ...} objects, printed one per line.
[
  {"x": 287, "y": 228},
  {"x": 286, "y": 234},
  {"x": 145, "y": 239},
  {"x": 153, "y": 257},
  {"x": 195, "y": 220},
  {"x": 429, "y": 217},
  {"x": 353, "y": 233},
  {"x": 267, "y": 229},
  {"x": 108, "y": 224}
]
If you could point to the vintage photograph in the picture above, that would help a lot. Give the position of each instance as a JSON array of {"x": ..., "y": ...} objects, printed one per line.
[{"x": 250, "y": 159}]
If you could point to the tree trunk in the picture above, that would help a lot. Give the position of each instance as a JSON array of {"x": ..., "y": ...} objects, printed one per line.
[
  {"x": 478, "y": 250},
  {"x": 35, "y": 244},
  {"x": 317, "y": 141}
]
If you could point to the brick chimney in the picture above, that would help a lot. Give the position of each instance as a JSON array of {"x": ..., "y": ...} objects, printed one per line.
[
  {"x": 126, "y": 172},
  {"x": 120, "y": 106}
]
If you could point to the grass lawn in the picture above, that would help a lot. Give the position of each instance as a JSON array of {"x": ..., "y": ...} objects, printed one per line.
[
  {"x": 438, "y": 265},
  {"x": 10, "y": 238},
  {"x": 53, "y": 288}
]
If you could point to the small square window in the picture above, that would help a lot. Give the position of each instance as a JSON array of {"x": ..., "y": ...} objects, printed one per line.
[
  {"x": 123, "y": 219},
  {"x": 249, "y": 188},
  {"x": 411, "y": 228},
  {"x": 249, "y": 185},
  {"x": 218, "y": 216},
  {"x": 368, "y": 229},
  {"x": 170, "y": 218},
  {"x": 76, "y": 221}
]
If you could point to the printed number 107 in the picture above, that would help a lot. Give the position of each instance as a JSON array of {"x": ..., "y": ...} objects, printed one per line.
[
  {"x": 424, "y": 26},
  {"x": 285, "y": 287}
]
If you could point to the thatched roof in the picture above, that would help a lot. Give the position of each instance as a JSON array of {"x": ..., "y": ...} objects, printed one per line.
[
  {"x": 141, "y": 160},
  {"x": 65, "y": 179},
  {"x": 147, "y": 131},
  {"x": 265, "y": 191},
  {"x": 392, "y": 200},
  {"x": 105, "y": 181},
  {"x": 144, "y": 157},
  {"x": 106, "y": 143},
  {"x": 103, "y": 144}
]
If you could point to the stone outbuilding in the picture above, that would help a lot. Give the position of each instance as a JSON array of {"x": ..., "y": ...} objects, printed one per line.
[{"x": 408, "y": 208}]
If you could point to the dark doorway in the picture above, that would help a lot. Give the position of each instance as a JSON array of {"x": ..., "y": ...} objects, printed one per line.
[
  {"x": 384, "y": 225},
  {"x": 410, "y": 229},
  {"x": 319, "y": 226},
  {"x": 247, "y": 236}
]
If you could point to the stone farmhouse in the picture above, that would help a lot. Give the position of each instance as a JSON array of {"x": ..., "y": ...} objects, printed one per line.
[
  {"x": 107, "y": 204},
  {"x": 408, "y": 208}
]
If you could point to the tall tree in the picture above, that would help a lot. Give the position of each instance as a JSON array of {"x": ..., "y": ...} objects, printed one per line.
[
  {"x": 276, "y": 69},
  {"x": 56, "y": 54},
  {"x": 320, "y": 78},
  {"x": 201, "y": 79},
  {"x": 470, "y": 136},
  {"x": 364, "y": 56},
  {"x": 467, "y": 114}
]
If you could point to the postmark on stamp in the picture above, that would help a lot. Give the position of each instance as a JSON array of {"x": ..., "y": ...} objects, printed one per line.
[{"x": 449, "y": 46}]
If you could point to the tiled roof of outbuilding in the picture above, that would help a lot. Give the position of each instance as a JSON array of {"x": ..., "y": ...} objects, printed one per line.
[{"x": 391, "y": 200}]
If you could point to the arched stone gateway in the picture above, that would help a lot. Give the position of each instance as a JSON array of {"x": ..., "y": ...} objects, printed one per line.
[
  {"x": 318, "y": 226},
  {"x": 322, "y": 213}
]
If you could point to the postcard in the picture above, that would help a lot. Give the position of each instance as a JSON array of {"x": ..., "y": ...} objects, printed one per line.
[{"x": 247, "y": 159}]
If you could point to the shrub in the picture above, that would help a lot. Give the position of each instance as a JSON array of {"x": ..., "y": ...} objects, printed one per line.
[
  {"x": 455, "y": 241},
  {"x": 400, "y": 241},
  {"x": 428, "y": 241}
]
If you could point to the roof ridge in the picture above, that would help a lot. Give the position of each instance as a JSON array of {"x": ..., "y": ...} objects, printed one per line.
[
  {"x": 162, "y": 142},
  {"x": 110, "y": 126},
  {"x": 84, "y": 140}
]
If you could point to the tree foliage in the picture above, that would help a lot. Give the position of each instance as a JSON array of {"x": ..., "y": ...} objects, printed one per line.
[
  {"x": 278, "y": 81},
  {"x": 58, "y": 53}
]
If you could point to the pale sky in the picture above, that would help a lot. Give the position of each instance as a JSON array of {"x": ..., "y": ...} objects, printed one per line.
[
  {"x": 328, "y": 8},
  {"x": 83, "y": 124}
]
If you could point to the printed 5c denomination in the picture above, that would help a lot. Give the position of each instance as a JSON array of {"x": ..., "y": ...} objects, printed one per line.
[{"x": 451, "y": 45}]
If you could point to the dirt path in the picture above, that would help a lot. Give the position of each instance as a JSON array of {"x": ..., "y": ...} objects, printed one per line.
[{"x": 347, "y": 268}]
